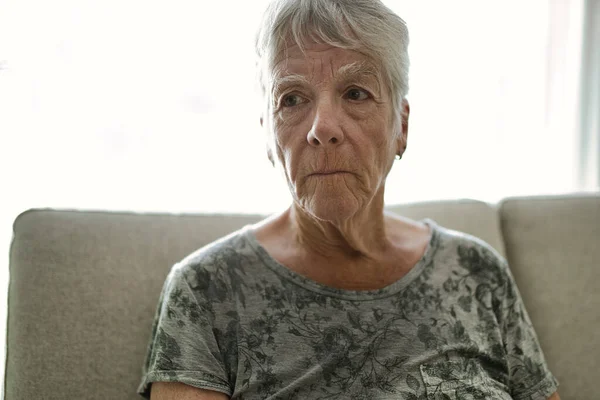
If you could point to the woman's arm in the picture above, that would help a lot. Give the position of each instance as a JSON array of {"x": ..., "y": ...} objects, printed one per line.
[{"x": 181, "y": 391}]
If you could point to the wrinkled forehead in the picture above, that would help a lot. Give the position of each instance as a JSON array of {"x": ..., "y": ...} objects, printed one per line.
[{"x": 319, "y": 62}]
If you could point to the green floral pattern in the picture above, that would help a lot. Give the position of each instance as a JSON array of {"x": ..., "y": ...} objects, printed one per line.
[{"x": 232, "y": 319}]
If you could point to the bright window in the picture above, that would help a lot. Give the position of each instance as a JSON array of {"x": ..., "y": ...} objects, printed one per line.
[{"x": 150, "y": 106}]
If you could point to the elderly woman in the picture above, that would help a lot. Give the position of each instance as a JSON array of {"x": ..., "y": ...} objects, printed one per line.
[{"x": 334, "y": 298}]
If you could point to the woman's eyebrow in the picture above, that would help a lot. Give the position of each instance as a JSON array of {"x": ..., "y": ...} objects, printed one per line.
[
  {"x": 280, "y": 82},
  {"x": 357, "y": 68},
  {"x": 358, "y": 71}
]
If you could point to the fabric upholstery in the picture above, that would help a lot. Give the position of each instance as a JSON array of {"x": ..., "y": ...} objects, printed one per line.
[
  {"x": 84, "y": 287},
  {"x": 83, "y": 290},
  {"x": 553, "y": 247}
]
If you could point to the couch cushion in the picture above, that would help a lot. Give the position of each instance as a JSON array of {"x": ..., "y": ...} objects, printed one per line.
[
  {"x": 553, "y": 247},
  {"x": 84, "y": 287}
]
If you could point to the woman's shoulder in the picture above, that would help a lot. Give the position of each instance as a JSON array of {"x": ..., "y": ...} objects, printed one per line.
[
  {"x": 463, "y": 242},
  {"x": 229, "y": 251},
  {"x": 470, "y": 253},
  {"x": 218, "y": 271},
  {"x": 444, "y": 242}
]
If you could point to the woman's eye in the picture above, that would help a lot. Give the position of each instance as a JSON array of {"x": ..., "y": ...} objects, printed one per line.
[
  {"x": 357, "y": 94},
  {"x": 291, "y": 100}
]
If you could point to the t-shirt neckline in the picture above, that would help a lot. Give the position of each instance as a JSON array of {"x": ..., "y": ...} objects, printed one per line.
[{"x": 355, "y": 295}]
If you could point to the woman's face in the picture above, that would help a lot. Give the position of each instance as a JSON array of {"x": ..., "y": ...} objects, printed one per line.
[{"x": 331, "y": 129}]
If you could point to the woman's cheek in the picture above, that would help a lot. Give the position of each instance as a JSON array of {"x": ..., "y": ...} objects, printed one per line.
[
  {"x": 291, "y": 117},
  {"x": 361, "y": 110}
]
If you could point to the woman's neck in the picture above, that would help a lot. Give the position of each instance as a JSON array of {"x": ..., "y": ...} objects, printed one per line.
[
  {"x": 370, "y": 256},
  {"x": 362, "y": 237}
]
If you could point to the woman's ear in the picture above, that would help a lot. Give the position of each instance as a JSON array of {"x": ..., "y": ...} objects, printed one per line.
[
  {"x": 403, "y": 134},
  {"x": 405, "y": 115}
]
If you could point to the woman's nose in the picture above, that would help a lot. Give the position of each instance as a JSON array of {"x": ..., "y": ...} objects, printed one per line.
[{"x": 326, "y": 129}]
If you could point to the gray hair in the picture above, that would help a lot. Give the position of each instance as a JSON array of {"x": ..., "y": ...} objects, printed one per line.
[{"x": 367, "y": 26}]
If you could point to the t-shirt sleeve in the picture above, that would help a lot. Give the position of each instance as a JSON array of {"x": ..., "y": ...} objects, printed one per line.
[
  {"x": 182, "y": 345},
  {"x": 529, "y": 375}
]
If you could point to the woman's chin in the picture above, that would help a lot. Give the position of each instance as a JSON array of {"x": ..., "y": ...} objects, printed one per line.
[{"x": 331, "y": 208}]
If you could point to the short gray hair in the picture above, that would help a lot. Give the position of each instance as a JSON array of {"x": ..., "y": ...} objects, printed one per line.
[{"x": 367, "y": 26}]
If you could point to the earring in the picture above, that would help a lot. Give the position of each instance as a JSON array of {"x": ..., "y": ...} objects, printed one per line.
[{"x": 398, "y": 156}]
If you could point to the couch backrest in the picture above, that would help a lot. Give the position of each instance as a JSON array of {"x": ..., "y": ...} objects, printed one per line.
[
  {"x": 553, "y": 248},
  {"x": 83, "y": 290},
  {"x": 84, "y": 287}
]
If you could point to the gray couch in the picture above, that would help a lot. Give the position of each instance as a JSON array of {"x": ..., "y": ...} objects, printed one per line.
[{"x": 84, "y": 287}]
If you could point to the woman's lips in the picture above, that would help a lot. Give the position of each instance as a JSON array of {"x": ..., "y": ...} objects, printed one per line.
[{"x": 327, "y": 173}]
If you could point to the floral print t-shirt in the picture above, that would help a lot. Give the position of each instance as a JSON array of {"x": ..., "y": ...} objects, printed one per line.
[{"x": 232, "y": 319}]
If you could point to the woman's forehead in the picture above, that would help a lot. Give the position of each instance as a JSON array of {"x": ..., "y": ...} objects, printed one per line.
[{"x": 321, "y": 60}]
